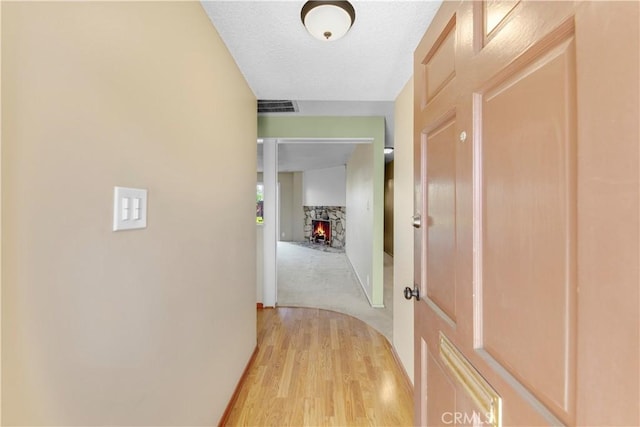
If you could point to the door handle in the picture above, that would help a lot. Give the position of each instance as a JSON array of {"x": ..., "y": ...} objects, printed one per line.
[
  {"x": 417, "y": 221},
  {"x": 411, "y": 293}
]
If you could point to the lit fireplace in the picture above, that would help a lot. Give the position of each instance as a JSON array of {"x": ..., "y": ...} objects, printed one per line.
[{"x": 321, "y": 232}]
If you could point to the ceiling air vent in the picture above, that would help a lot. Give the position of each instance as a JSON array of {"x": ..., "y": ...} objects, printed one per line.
[{"x": 276, "y": 106}]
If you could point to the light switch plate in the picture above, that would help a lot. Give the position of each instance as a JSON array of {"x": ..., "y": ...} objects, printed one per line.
[{"x": 129, "y": 208}]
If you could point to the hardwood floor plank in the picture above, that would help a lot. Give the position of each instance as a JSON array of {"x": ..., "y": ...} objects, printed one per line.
[{"x": 321, "y": 368}]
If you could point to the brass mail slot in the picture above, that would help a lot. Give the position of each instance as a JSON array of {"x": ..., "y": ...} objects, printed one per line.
[{"x": 487, "y": 399}]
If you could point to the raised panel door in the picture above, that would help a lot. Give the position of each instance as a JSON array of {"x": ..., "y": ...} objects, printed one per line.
[{"x": 515, "y": 143}]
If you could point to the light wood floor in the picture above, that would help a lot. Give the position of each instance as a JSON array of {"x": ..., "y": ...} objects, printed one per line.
[{"x": 321, "y": 368}]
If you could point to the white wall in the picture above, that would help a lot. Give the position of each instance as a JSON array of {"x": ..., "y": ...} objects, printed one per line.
[
  {"x": 285, "y": 181},
  {"x": 132, "y": 327},
  {"x": 325, "y": 187},
  {"x": 290, "y": 208},
  {"x": 359, "y": 203},
  {"x": 291, "y": 221},
  {"x": 259, "y": 263},
  {"x": 402, "y": 228},
  {"x": 270, "y": 225}
]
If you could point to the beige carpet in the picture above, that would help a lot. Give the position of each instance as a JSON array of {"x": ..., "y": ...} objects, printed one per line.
[{"x": 312, "y": 278}]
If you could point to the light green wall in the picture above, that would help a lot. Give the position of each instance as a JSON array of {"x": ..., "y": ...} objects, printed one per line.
[{"x": 344, "y": 127}]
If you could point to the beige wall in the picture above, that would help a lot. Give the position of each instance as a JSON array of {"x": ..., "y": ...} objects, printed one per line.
[
  {"x": 403, "y": 231},
  {"x": 1, "y": 274},
  {"x": 126, "y": 328}
]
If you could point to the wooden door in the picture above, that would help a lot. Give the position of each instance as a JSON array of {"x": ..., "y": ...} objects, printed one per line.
[{"x": 526, "y": 155}]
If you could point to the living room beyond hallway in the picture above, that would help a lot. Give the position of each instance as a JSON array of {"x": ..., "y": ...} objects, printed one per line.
[{"x": 309, "y": 277}]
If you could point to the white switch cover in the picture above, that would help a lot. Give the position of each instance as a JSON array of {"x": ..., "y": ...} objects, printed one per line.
[{"x": 129, "y": 208}]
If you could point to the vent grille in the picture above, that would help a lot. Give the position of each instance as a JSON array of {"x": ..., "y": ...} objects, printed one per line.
[{"x": 276, "y": 106}]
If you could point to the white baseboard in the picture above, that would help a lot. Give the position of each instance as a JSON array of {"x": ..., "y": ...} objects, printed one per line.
[{"x": 362, "y": 285}]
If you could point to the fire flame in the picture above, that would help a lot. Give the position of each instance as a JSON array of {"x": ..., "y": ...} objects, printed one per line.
[{"x": 320, "y": 229}]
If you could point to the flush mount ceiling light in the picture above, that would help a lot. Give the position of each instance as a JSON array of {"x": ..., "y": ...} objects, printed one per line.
[{"x": 327, "y": 20}]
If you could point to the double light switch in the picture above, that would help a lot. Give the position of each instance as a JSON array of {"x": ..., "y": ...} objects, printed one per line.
[{"x": 129, "y": 208}]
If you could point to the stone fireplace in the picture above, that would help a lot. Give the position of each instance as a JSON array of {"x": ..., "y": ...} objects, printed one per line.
[
  {"x": 320, "y": 231},
  {"x": 333, "y": 221}
]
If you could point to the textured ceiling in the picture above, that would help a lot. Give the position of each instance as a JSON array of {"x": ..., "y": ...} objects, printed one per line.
[
  {"x": 360, "y": 74},
  {"x": 280, "y": 60}
]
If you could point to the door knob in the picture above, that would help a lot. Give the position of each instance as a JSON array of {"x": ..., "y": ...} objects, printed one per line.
[{"x": 410, "y": 293}]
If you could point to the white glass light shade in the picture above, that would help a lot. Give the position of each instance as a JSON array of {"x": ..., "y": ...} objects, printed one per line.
[{"x": 327, "y": 22}]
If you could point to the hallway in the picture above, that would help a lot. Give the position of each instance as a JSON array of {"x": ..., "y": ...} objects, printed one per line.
[
  {"x": 318, "y": 367},
  {"x": 316, "y": 279}
]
